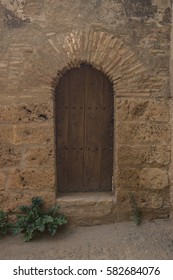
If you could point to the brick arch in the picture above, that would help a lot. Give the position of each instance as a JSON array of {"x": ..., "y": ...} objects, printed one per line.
[
  {"x": 110, "y": 55},
  {"x": 105, "y": 52}
]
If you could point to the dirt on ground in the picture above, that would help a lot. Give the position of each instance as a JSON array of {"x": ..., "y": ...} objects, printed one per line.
[{"x": 150, "y": 240}]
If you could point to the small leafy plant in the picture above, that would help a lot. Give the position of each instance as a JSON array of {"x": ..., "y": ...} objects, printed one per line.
[
  {"x": 35, "y": 219},
  {"x": 137, "y": 214},
  {"x": 5, "y": 226}
]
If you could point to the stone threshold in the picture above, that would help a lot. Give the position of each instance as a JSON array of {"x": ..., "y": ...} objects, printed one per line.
[{"x": 87, "y": 208}]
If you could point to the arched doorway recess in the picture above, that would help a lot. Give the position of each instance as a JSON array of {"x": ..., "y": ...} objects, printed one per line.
[{"x": 84, "y": 106}]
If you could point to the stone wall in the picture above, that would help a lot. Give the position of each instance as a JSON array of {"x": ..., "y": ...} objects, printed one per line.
[
  {"x": 129, "y": 41},
  {"x": 171, "y": 121}
]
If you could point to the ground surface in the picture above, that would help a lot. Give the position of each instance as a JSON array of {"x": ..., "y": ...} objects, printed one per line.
[{"x": 151, "y": 240}]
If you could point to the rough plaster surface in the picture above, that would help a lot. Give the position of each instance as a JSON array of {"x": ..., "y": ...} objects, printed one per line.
[{"x": 129, "y": 41}]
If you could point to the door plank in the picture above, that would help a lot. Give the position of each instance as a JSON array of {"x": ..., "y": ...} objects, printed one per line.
[
  {"x": 92, "y": 154},
  {"x": 106, "y": 167},
  {"x": 76, "y": 128}
]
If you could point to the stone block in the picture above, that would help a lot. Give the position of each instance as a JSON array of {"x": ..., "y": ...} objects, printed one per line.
[
  {"x": 3, "y": 198},
  {"x": 2, "y": 181},
  {"x": 26, "y": 112},
  {"x": 163, "y": 4},
  {"x": 6, "y": 134},
  {"x": 37, "y": 157},
  {"x": 153, "y": 178},
  {"x": 10, "y": 155},
  {"x": 155, "y": 155},
  {"x": 138, "y": 109},
  {"x": 142, "y": 179},
  {"x": 143, "y": 133},
  {"x": 34, "y": 134},
  {"x": 151, "y": 200},
  {"x": 8, "y": 200},
  {"x": 31, "y": 180},
  {"x": 144, "y": 200},
  {"x": 88, "y": 208},
  {"x": 127, "y": 178},
  {"x": 11, "y": 201}
]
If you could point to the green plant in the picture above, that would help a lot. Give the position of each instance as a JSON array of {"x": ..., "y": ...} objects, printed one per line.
[
  {"x": 34, "y": 219},
  {"x": 5, "y": 226},
  {"x": 137, "y": 214}
]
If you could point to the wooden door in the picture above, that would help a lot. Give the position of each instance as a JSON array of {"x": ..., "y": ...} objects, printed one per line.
[{"x": 84, "y": 131}]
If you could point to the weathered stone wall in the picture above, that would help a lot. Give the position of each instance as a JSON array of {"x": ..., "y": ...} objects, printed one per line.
[
  {"x": 171, "y": 121},
  {"x": 129, "y": 41}
]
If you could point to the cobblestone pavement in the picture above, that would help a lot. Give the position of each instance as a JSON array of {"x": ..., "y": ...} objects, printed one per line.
[{"x": 151, "y": 240}]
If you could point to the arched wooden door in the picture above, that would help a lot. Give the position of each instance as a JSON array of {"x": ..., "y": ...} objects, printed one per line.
[{"x": 84, "y": 131}]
